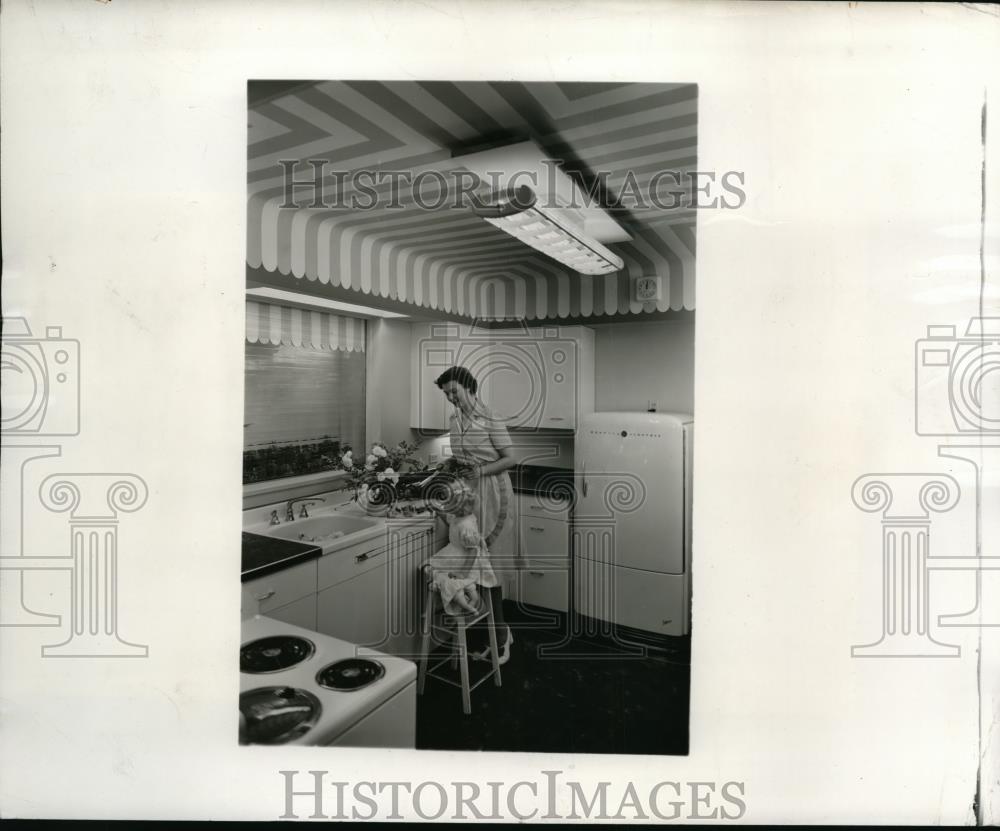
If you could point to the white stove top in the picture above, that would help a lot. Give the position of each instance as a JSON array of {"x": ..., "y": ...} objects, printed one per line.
[{"x": 341, "y": 708}]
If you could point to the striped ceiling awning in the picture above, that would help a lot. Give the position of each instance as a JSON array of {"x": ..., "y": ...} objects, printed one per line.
[
  {"x": 447, "y": 259},
  {"x": 269, "y": 323}
]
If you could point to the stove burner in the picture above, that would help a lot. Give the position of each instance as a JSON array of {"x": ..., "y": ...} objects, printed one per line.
[
  {"x": 275, "y": 715},
  {"x": 350, "y": 674},
  {"x": 275, "y": 653}
]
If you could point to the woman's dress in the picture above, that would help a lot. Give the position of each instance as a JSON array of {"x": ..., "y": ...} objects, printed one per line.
[{"x": 478, "y": 439}]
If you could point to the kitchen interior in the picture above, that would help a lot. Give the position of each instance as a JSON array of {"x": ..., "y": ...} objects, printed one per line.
[{"x": 354, "y": 310}]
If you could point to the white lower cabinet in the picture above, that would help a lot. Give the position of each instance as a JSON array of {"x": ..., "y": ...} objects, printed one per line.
[
  {"x": 355, "y": 610},
  {"x": 544, "y": 538},
  {"x": 542, "y": 530},
  {"x": 300, "y": 613},
  {"x": 263, "y": 595},
  {"x": 546, "y": 584},
  {"x": 368, "y": 594},
  {"x": 509, "y": 581},
  {"x": 375, "y": 596}
]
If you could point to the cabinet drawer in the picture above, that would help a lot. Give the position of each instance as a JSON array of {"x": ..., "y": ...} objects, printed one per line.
[
  {"x": 300, "y": 613},
  {"x": 534, "y": 506},
  {"x": 543, "y": 538},
  {"x": 279, "y": 589},
  {"x": 415, "y": 543},
  {"x": 351, "y": 562},
  {"x": 546, "y": 587}
]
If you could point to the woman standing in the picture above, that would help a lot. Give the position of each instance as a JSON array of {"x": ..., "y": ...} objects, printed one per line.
[{"x": 480, "y": 439}]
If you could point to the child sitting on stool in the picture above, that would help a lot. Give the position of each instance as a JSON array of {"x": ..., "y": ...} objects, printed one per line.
[{"x": 464, "y": 563}]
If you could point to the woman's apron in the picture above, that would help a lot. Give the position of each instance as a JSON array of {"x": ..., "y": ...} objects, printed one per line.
[{"x": 475, "y": 441}]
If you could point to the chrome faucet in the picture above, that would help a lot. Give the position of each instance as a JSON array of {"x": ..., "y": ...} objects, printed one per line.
[{"x": 303, "y": 514}]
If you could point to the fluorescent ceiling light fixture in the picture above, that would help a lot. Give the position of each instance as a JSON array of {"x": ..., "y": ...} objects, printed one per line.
[
  {"x": 517, "y": 212},
  {"x": 525, "y": 163},
  {"x": 318, "y": 302}
]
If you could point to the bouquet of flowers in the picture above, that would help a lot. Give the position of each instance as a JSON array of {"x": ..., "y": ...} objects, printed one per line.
[
  {"x": 455, "y": 469},
  {"x": 374, "y": 478}
]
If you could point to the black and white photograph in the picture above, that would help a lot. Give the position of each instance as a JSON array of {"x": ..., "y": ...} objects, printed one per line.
[
  {"x": 429, "y": 410},
  {"x": 469, "y": 429}
]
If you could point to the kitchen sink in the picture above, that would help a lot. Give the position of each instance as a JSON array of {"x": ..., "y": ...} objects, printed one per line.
[{"x": 322, "y": 530}]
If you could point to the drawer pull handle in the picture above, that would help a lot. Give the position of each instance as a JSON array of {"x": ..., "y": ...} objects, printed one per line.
[
  {"x": 537, "y": 573},
  {"x": 536, "y": 528},
  {"x": 556, "y": 418},
  {"x": 368, "y": 555},
  {"x": 265, "y": 595}
]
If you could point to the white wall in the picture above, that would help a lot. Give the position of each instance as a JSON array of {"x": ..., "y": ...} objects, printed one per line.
[
  {"x": 635, "y": 362},
  {"x": 388, "y": 382},
  {"x": 645, "y": 361}
]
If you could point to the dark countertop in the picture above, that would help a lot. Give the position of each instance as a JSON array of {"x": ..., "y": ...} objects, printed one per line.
[{"x": 266, "y": 555}]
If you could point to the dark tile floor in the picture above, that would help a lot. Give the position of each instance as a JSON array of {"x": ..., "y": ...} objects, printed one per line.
[{"x": 578, "y": 694}]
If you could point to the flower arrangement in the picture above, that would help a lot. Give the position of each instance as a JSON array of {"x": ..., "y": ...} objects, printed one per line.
[{"x": 374, "y": 478}]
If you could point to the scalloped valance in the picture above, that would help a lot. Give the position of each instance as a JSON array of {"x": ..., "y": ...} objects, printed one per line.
[
  {"x": 411, "y": 238},
  {"x": 270, "y": 323}
]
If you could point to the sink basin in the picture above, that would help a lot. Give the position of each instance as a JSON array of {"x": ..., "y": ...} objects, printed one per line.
[{"x": 322, "y": 530}]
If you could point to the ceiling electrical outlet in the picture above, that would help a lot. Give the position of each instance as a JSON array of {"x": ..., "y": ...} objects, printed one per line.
[{"x": 647, "y": 288}]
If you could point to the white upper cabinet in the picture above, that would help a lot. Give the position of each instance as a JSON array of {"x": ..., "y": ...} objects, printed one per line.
[
  {"x": 543, "y": 378},
  {"x": 537, "y": 378},
  {"x": 429, "y": 352},
  {"x": 434, "y": 348},
  {"x": 472, "y": 347}
]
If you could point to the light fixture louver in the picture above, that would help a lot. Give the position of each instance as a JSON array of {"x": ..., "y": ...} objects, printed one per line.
[{"x": 517, "y": 212}]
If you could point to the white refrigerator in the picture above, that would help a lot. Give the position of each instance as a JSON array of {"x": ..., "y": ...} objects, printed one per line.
[{"x": 632, "y": 520}]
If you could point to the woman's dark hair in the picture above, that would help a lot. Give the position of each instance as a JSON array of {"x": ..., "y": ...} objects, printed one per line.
[{"x": 460, "y": 375}]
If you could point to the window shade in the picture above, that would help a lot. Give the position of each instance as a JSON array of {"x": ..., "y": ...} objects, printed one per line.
[{"x": 304, "y": 391}]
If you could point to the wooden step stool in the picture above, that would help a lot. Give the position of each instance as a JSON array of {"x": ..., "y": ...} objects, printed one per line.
[{"x": 435, "y": 619}]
